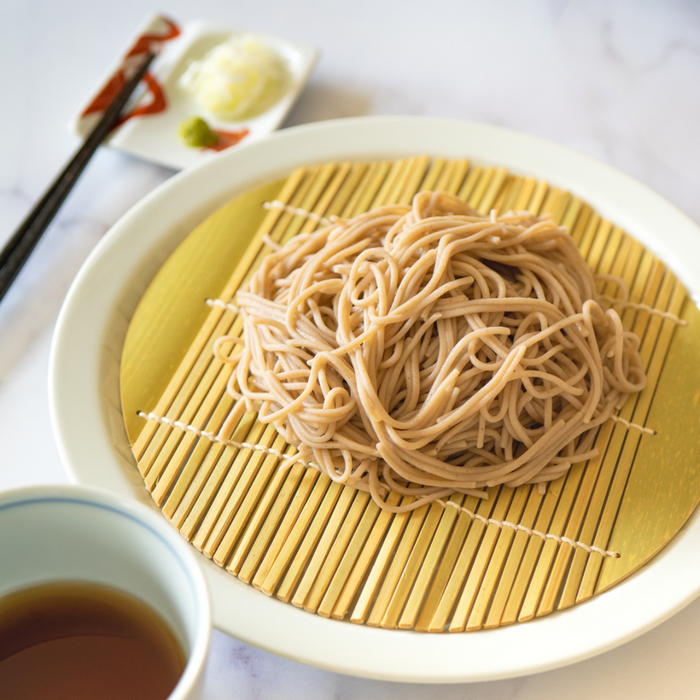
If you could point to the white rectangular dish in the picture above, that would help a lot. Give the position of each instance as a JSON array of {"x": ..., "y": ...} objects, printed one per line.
[{"x": 155, "y": 113}]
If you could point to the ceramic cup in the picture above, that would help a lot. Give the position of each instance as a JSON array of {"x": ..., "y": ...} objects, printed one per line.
[{"x": 71, "y": 533}]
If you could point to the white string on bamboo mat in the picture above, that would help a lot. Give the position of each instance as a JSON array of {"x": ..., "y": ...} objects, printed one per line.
[
  {"x": 635, "y": 426},
  {"x": 529, "y": 531},
  {"x": 275, "y": 204},
  {"x": 644, "y": 307},
  {"x": 212, "y": 436},
  {"x": 474, "y": 516},
  {"x": 222, "y": 304}
]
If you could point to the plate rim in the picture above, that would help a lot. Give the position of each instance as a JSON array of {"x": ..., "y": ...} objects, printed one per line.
[{"x": 83, "y": 440}]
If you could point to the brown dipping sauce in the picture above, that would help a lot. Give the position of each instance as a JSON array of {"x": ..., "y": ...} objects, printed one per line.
[{"x": 83, "y": 641}]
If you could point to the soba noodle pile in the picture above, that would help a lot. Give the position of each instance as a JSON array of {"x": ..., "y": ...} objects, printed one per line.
[{"x": 428, "y": 350}]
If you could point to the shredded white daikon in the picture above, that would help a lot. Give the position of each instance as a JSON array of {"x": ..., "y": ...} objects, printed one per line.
[{"x": 236, "y": 78}]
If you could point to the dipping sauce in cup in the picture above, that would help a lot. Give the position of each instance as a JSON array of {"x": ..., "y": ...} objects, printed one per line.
[
  {"x": 88, "y": 640},
  {"x": 99, "y": 598}
]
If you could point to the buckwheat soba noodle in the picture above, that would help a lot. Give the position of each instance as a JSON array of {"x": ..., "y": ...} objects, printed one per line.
[{"x": 428, "y": 350}]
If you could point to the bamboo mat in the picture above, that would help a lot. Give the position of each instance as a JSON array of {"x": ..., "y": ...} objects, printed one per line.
[{"x": 328, "y": 549}]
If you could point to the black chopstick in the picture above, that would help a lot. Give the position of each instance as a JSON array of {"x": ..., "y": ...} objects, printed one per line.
[{"x": 24, "y": 239}]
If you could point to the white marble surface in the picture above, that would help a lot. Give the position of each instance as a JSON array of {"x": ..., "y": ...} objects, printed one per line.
[{"x": 617, "y": 80}]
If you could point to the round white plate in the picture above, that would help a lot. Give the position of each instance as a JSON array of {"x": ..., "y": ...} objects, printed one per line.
[{"x": 89, "y": 430}]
